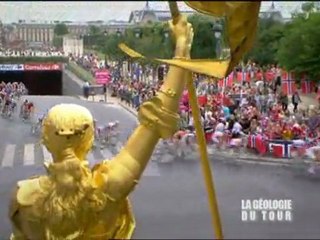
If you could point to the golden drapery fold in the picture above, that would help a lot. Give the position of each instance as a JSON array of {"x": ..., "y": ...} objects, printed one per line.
[
  {"x": 206, "y": 66},
  {"x": 241, "y": 23}
]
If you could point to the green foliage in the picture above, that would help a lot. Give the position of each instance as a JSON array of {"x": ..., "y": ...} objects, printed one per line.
[
  {"x": 94, "y": 30},
  {"x": 308, "y": 7},
  {"x": 61, "y": 29},
  {"x": 267, "y": 41},
  {"x": 204, "y": 41},
  {"x": 80, "y": 72},
  {"x": 299, "y": 50},
  {"x": 110, "y": 48},
  {"x": 33, "y": 59},
  {"x": 57, "y": 41},
  {"x": 153, "y": 42}
]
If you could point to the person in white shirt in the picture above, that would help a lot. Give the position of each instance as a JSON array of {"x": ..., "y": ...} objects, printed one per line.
[
  {"x": 237, "y": 130},
  {"x": 218, "y": 134},
  {"x": 191, "y": 122}
]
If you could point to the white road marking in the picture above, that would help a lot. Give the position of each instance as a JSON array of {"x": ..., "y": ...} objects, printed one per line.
[
  {"x": 28, "y": 155},
  {"x": 47, "y": 157},
  {"x": 8, "y": 157}
]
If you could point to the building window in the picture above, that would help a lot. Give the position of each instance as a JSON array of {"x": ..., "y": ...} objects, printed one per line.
[{"x": 44, "y": 35}]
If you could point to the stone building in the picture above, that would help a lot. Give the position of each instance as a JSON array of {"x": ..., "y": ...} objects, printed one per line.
[
  {"x": 72, "y": 44},
  {"x": 83, "y": 28},
  {"x": 35, "y": 33},
  {"x": 151, "y": 13}
]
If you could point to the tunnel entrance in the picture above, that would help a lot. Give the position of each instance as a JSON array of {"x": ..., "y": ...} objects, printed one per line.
[{"x": 38, "y": 81}]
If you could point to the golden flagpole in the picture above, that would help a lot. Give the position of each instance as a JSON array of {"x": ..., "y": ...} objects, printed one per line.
[{"x": 212, "y": 200}]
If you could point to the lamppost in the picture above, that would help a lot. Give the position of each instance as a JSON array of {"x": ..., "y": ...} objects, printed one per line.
[
  {"x": 137, "y": 33},
  {"x": 105, "y": 34},
  {"x": 119, "y": 66},
  {"x": 217, "y": 29},
  {"x": 161, "y": 68},
  {"x": 119, "y": 34},
  {"x": 166, "y": 34},
  {"x": 89, "y": 40}
]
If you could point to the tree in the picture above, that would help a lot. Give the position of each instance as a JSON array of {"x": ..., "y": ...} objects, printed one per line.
[
  {"x": 96, "y": 38},
  {"x": 308, "y": 7},
  {"x": 94, "y": 30},
  {"x": 204, "y": 41},
  {"x": 111, "y": 49},
  {"x": 57, "y": 42},
  {"x": 153, "y": 42},
  {"x": 299, "y": 48},
  {"x": 269, "y": 34},
  {"x": 61, "y": 29}
]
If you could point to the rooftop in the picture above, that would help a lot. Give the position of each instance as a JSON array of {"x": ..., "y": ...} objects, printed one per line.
[{"x": 77, "y": 11}]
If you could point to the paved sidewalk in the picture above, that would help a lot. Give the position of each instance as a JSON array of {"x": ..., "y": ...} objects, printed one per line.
[{"x": 307, "y": 100}]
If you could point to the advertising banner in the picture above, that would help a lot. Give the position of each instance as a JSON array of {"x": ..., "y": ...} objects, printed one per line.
[
  {"x": 11, "y": 67},
  {"x": 42, "y": 67},
  {"x": 102, "y": 76}
]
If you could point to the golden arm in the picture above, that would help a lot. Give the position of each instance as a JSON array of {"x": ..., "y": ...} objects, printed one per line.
[{"x": 158, "y": 119}]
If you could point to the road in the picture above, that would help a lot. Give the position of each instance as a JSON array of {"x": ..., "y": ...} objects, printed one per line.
[{"x": 170, "y": 200}]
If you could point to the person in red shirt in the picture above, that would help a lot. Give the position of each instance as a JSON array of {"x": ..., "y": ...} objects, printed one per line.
[{"x": 30, "y": 106}]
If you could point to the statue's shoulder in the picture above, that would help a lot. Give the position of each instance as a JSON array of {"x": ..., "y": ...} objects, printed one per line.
[
  {"x": 24, "y": 194},
  {"x": 28, "y": 191}
]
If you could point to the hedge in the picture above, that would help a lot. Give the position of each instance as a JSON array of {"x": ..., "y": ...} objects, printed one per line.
[{"x": 80, "y": 72}]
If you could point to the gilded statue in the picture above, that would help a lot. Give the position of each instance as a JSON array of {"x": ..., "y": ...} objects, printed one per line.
[{"x": 73, "y": 201}]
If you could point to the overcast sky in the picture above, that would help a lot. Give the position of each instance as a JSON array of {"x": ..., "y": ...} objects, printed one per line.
[{"x": 81, "y": 11}]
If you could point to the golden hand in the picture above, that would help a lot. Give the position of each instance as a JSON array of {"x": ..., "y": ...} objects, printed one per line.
[{"x": 183, "y": 34}]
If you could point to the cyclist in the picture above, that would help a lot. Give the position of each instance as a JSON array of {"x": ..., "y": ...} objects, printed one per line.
[{"x": 7, "y": 103}]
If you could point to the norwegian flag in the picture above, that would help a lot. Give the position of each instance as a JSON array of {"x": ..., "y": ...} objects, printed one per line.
[
  {"x": 307, "y": 86},
  {"x": 243, "y": 76},
  {"x": 287, "y": 76},
  {"x": 281, "y": 149},
  {"x": 252, "y": 141},
  {"x": 256, "y": 142},
  {"x": 230, "y": 77},
  {"x": 261, "y": 145},
  {"x": 288, "y": 86},
  {"x": 226, "y": 82}
]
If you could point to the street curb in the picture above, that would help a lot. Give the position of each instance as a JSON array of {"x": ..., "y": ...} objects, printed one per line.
[
  {"x": 133, "y": 112},
  {"x": 89, "y": 101}
]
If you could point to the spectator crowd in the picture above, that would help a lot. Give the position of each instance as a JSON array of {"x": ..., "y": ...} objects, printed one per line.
[
  {"x": 50, "y": 52},
  {"x": 254, "y": 105}
]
